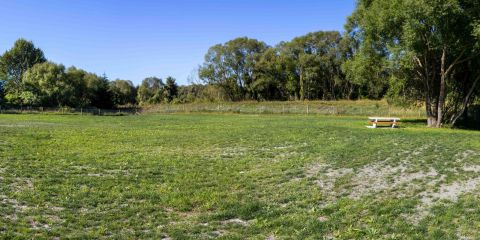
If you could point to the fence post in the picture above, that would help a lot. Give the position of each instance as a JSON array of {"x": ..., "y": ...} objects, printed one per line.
[{"x": 308, "y": 109}]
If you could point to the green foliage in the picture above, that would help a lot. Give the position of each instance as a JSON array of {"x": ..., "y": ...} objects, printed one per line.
[
  {"x": 231, "y": 66},
  {"x": 27, "y": 79},
  {"x": 170, "y": 89},
  {"x": 431, "y": 47},
  {"x": 54, "y": 86},
  {"x": 369, "y": 72},
  {"x": 16, "y": 61},
  {"x": 150, "y": 91},
  {"x": 271, "y": 75},
  {"x": 50, "y": 85},
  {"x": 200, "y": 93},
  {"x": 97, "y": 91},
  {"x": 123, "y": 92},
  {"x": 318, "y": 57},
  {"x": 308, "y": 67}
]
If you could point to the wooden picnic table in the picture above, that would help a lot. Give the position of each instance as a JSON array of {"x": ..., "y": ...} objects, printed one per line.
[{"x": 391, "y": 121}]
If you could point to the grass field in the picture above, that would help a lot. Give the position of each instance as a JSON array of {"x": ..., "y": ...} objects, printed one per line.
[{"x": 201, "y": 176}]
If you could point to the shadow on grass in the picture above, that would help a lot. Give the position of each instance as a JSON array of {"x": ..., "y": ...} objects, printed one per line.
[
  {"x": 415, "y": 121},
  {"x": 475, "y": 126},
  {"x": 470, "y": 125}
]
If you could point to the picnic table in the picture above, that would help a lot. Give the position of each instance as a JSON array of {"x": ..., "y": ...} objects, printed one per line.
[{"x": 389, "y": 121}]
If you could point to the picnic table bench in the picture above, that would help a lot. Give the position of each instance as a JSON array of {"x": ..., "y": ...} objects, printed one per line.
[{"x": 390, "y": 121}]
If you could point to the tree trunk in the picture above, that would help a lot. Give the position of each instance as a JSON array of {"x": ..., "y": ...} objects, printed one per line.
[
  {"x": 302, "y": 90},
  {"x": 442, "y": 93},
  {"x": 431, "y": 118},
  {"x": 465, "y": 102}
]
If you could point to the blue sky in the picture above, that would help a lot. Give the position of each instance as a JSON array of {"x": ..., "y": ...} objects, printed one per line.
[{"x": 136, "y": 39}]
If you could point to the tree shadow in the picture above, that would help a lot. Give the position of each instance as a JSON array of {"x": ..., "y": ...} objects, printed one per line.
[{"x": 415, "y": 121}]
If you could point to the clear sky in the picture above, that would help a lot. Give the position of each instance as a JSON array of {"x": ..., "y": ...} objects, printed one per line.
[{"x": 136, "y": 39}]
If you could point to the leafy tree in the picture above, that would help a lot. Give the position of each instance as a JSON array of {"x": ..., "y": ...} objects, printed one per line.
[
  {"x": 231, "y": 66},
  {"x": 150, "y": 91},
  {"x": 271, "y": 75},
  {"x": 123, "y": 92},
  {"x": 77, "y": 77},
  {"x": 16, "y": 61},
  {"x": 97, "y": 93},
  {"x": 200, "y": 93},
  {"x": 308, "y": 67},
  {"x": 430, "y": 47},
  {"x": 365, "y": 67},
  {"x": 48, "y": 83},
  {"x": 317, "y": 61},
  {"x": 90, "y": 89},
  {"x": 368, "y": 71},
  {"x": 170, "y": 89}
]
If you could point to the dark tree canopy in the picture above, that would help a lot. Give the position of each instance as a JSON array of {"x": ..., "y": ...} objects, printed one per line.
[{"x": 171, "y": 89}]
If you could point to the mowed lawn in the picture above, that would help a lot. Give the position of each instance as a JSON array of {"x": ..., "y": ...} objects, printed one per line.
[{"x": 201, "y": 176}]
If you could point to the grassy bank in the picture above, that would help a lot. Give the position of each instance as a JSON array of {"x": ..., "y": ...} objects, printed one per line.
[
  {"x": 343, "y": 108},
  {"x": 235, "y": 176}
]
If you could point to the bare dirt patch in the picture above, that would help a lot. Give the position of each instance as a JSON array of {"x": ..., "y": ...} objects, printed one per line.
[
  {"x": 403, "y": 179},
  {"x": 236, "y": 221},
  {"x": 230, "y": 152},
  {"x": 15, "y": 205}
]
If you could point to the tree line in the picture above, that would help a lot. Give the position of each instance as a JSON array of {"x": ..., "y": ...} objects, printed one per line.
[
  {"x": 307, "y": 68},
  {"x": 409, "y": 52},
  {"x": 28, "y": 79}
]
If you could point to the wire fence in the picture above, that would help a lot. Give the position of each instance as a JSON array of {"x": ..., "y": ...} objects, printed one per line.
[
  {"x": 68, "y": 111},
  {"x": 365, "y": 108},
  {"x": 291, "y": 108}
]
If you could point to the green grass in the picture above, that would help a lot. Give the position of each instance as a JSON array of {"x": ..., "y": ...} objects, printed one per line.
[{"x": 200, "y": 176}]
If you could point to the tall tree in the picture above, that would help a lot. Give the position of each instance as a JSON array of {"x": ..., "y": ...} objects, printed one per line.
[
  {"x": 49, "y": 84},
  {"x": 231, "y": 66},
  {"x": 16, "y": 61},
  {"x": 97, "y": 91},
  {"x": 150, "y": 91},
  {"x": 123, "y": 92},
  {"x": 432, "y": 43},
  {"x": 77, "y": 77},
  {"x": 90, "y": 90},
  {"x": 171, "y": 89},
  {"x": 317, "y": 58},
  {"x": 271, "y": 75}
]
